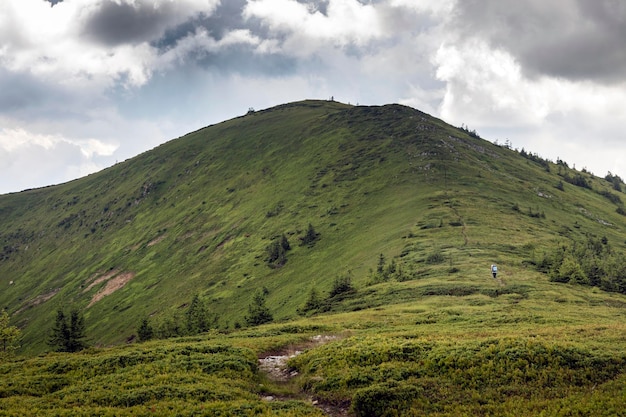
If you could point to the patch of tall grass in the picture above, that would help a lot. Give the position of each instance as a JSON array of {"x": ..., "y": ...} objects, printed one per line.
[
  {"x": 385, "y": 376},
  {"x": 182, "y": 379}
]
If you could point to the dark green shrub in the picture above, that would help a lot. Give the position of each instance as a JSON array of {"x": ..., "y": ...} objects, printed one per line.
[
  {"x": 313, "y": 303},
  {"x": 310, "y": 237},
  {"x": 145, "y": 331},
  {"x": 613, "y": 198},
  {"x": 341, "y": 285},
  {"x": 68, "y": 336},
  {"x": 384, "y": 399},
  {"x": 559, "y": 186},
  {"x": 435, "y": 258},
  {"x": 258, "y": 312}
]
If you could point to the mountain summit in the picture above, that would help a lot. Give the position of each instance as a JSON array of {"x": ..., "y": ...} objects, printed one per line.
[{"x": 278, "y": 205}]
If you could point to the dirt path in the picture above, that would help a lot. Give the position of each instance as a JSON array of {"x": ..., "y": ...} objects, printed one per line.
[{"x": 274, "y": 365}]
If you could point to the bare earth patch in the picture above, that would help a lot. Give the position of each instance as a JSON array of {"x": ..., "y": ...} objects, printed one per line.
[
  {"x": 38, "y": 300},
  {"x": 275, "y": 366},
  {"x": 98, "y": 278},
  {"x": 111, "y": 286}
]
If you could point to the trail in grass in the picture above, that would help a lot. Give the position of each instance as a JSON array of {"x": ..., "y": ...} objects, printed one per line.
[{"x": 274, "y": 365}]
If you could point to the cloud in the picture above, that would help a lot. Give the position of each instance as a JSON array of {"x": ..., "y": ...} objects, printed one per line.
[
  {"x": 572, "y": 39},
  {"x": 580, "y": 122},
  {"x": 306, "y": 28},
  {"x": 94, "y": 43},
  {"x": 30, "y": 159},
  {"x": 115, "y": 23},
  {"x": 89, "y": 76}
]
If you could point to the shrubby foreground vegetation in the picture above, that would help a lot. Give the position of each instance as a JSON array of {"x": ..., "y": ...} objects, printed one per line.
[
  {"x": 176, "y": 378},
  {"x": 439, "y": 355},
  {"x": 370, "y": 228}
]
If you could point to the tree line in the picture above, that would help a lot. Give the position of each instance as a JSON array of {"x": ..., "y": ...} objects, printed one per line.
[{"x": 591, "y": 262}]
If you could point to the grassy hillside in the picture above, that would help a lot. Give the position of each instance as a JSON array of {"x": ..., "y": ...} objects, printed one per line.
[
  {"x": 195, "y": 217},
  {"x": 408, "y": 214}
]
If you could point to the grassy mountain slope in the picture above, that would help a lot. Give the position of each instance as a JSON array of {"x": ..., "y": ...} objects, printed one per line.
[{"x": 195, "y": 216}]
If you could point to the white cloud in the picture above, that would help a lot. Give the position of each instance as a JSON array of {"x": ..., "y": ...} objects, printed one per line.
[
  {"x": 440, "y": 8},
  {"x": 51, "y": 42},
  {"x": 92, "y": 81},
  {"x": 31, "y": 159},
  {"x": 345, "y": 22},
  {"x": 486, "y": 88}
]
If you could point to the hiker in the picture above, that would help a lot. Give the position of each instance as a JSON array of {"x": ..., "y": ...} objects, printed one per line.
[{"x": 494, "y": 270}]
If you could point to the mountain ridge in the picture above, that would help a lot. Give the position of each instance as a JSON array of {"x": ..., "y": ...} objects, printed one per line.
[{"x": 196, "y": 215}]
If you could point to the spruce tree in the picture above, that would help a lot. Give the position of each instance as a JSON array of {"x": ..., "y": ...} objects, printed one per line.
[
  {"x": 77, "y": 332},
  {"x": 310, "y": 237},
  {"x": 68, "y": 337},
  {"x": 314, "y": 302},
  {"x": 145, "y": 331},
  {"x": 197, "y": 316},
  {"x": 258, "y": 313},
  {"x": 277, "y": 252},
  {"x": 60, "y": 333},
  {"x": 8, "y": 334}
]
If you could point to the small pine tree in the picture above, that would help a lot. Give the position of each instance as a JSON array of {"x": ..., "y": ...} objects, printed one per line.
[
  {"x": 145, "y": 331},
  {"x": 197, "y": 317},
  {"x": 310, "y": 237},
  {"x": 258, "y": 313},
  {"x": 60, "y": 333},
  {"x": 77, "y": 332},
  {"x": 8, "y": 334},
  {"x": 341, "y": 285},
  {"x": 277, "y": 252},
  {"x": 391, "y": 269},
  {"x": 68, "y": 337},
  {"x": 381, "y": 264},
  {"x": 314, "y": 302}
]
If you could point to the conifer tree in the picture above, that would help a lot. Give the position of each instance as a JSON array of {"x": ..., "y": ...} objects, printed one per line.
[
  {"x": 145, "y": 331},
  {"x": 197, "y": 317},
  {"x": 381, "y": 264},
  {"x": 314, "y": 302},
  {"x": 77, "y": 332},
  {"x": 68, "y": 337},
  {"x": 8, "y": 334},
  {"x": 258, "y": 313},
  {"x": 277, "y": 252},
  {"x": 310, "y": 237},
  {"x": 60, "y": 333}
]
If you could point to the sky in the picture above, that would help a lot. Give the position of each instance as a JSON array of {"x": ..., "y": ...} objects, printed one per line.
[{"x": 88, "y": 83}]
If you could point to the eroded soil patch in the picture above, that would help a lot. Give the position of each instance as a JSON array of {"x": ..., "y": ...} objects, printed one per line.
[
  {"x": 112, "y": 285},
  {"x": 274, "y": 365}
]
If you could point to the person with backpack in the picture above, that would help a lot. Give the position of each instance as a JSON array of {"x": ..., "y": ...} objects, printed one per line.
[{"x": 494, "y": 270}]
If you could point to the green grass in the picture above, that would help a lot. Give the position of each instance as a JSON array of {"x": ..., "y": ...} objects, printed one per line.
[
  {"x": 175, "y": 378},
  {"x": 195, "y": 216},
  {"x": 540, "y": 348}
]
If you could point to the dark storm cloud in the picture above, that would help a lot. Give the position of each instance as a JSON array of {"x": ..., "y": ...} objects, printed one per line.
[
  {"x": 226, "y": 17},
  {"x": 116, "y": 24},
  {"x": 572, "y": 39},
  {"x": 235, "y": 58}
]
